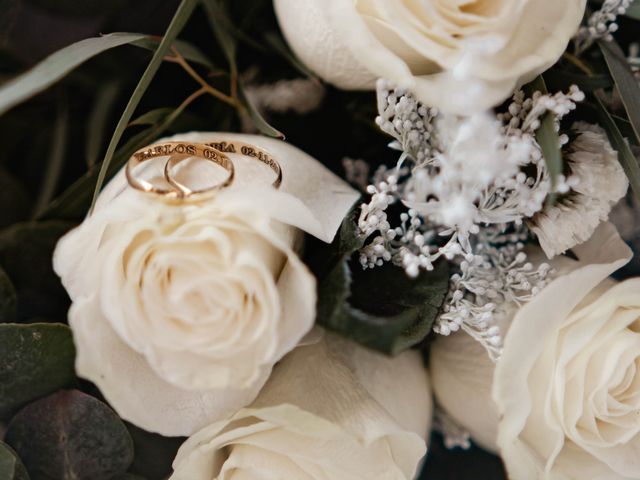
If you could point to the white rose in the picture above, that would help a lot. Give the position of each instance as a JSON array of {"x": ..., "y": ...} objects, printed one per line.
[
  {"x": 563, "y": 402},
  {"x": 332, "y": 410},
  {"x": 181, "y": 310},
  {"x": 460, "y": 56}
]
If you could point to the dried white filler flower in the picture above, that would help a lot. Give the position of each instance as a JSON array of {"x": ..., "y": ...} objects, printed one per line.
[{"x": 599, "y": 182}]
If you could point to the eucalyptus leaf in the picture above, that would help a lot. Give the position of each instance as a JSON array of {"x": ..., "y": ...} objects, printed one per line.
[
  {"x": 276, "y": 42},
  {"x": 11, "y": 468},
  {"x": 548, "y": 139},
  {"x": 187, "y": 50},
  {"x": 182, "y": 15},
  {"x": 57, "y": 153},
  {"x": 625, "y": 156},
  {"x": 152, "y": 117},
  {"x": 35, "y": 360},
  {"x": 258, "y": 120},
  {"x": 380, "y": 308},
  {"x": 626, "y": 83},
  {"x": 56, "y": 66},
  {"x": 70, "y": 435},
  {"x": 97, "y": 121},
  {"x": 222, "y": 27}
]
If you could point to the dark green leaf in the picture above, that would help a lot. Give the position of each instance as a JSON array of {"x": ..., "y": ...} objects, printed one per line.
[
  {"x": 7, "y": 298},
  {"x": 625, "y": 156},
  {"x": 259, "y": 122},
  {"x": 625, "y": 81},
  {"x": 26, "y": 250},
  {"x": 11, "y": 468},
  {"x": 70, "y": 435},
  {"x": 154, "y": 453},
  {"x": 276, "y": 42},
  {"x": 548, "y": 139},
  {"x": 15, "y": 204},
  {"x": 562, "y": 80},
  {"x": 35, "y": 360},
  {"x": 152, "y": 117},
  {"x": 56, "y": 66},
  {"x": 381, "y": 308},
  {"x": 97, "y": 121},
  {"x": 222, "y": 27},
  {"x": 57, "y": 153},
  {"x": 187, "y": 50},
  {"x": 182, "y": 15}
]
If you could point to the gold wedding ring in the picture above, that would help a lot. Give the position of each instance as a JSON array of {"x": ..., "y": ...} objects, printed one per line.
[
  {"x": 177, "y": 152},
  {"x": 224, "y": 148}
]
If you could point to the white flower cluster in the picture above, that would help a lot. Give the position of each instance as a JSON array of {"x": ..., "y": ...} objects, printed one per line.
[
  {"x": 456, "y": 175},
  {"x": 463, "y": 181},
  {"x": 489, "y": 284},
  {"x": 601, "y": 24}
]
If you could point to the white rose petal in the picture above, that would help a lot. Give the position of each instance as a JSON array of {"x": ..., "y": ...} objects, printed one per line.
[
  {"x": 565, "y": 395},
  {"x": 196, "y": 302},
  {"x": 332, "y": 410},
  {"x": 457, "y": 56}
]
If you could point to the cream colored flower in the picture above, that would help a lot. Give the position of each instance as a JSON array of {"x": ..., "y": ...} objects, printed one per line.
[
  {"x": 601, "y": 182},
  {"x": 460, "y": 56},
  {"x": 180, "y": 310},
  {"x": 563, "y": 401},
  {"x": 332, "y": 410}
]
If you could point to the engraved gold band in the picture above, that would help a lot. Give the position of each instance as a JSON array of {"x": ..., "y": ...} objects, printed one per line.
[
  {"x": 177, "y": 151},
  {"x": 229, "y": 147}
]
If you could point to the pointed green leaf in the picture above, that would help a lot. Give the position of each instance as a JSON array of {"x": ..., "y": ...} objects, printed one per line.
[
  {"x": 625, "y": 156},
  {"x": 187, "y": 50},
  {"x": 182, "y": 15},
  {"x": 625, "y": 81},
  {"x": 56, "y": 66},
  {"x": 548, "y": 139},
  {"x": 11, "y": 468},
  {"x": 35, "y": 360},
  {"x": 97, "y": 121},
  {"x": 70, "y": 435},
  {"x": 258, "y": 120}
]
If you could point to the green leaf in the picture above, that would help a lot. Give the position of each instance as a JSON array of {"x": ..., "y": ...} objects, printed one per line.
[
  {"x": 56, "y": 66},
  {"x": 381, "y": 308},
  {"x": 57, "y": 153},
  {"x": 548, "y": 139},
  {"x": 7, "y": 298},
  {"x": 182, "y": 15},
  {"x": 70, "y": 435},
  {"x": 152, "y": 117},
  {"x": 11, "y": 468},
  {"x": 258, "y": 120},
  {"x": 562, "y": 80},
  {"x": 97, "y": 121},
  {"x": 35, "y": 360},
  {"x": 222, "y": 27},
  {"x": 26, "y": 250},
  {"x": 187, "y": 50},
  {"x": 276, "y": 42},
  {"x": 625, "y": 81},
  {"x": 154, "y": 453},
  {"x": 625, "y": 156}
]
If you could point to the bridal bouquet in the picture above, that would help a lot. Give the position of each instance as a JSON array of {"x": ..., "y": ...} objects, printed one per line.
[{"x": 320, "y": 240}]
